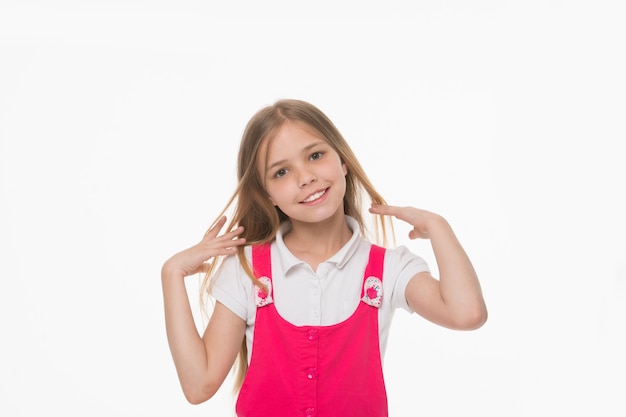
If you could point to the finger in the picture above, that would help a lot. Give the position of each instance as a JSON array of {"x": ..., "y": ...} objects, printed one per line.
[
  {"x": 217, "y": 247},
  {"x": 401, "y": 213},
  {"x": 235, "y": 242},
  {"x": 213, "y": 231},
  {"x": 397, "y": 212},
  {"x": 384, "y": 209},
  {"x": 229, "y": 250},
  {"x": 231, "y": 235}
]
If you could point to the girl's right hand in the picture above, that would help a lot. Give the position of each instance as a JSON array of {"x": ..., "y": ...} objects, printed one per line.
[{"x": 193, "y": 260}]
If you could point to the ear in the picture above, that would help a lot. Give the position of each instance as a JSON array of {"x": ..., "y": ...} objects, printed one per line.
[{"x": 344, "y": 167}]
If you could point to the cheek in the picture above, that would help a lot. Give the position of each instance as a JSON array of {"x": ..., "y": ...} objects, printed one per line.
[
  {"x": 274, "y": 192},
  {"x": 269, "y": 194}
]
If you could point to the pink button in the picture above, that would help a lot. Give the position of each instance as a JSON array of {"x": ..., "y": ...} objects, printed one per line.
[
  {"x": 310, "y": 411},
  {"x": 312, "y": 335},
  {"x": 312, "y": 373}
]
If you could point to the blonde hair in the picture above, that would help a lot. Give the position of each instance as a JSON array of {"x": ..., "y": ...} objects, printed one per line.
[{"x": 255, "y": 211}]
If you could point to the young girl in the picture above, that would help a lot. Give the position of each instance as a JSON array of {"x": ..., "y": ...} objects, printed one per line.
[{"x": 301, "y": 295}]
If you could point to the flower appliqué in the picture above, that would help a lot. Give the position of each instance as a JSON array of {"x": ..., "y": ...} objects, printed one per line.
[
  {"x": 263, "y": 296},
  {"x": 373, "y": 291}
]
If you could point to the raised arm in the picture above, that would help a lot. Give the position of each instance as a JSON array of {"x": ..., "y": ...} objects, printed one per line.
[
  {"x": 454, "y": 300},
  {"x": 202, "y": 363}
]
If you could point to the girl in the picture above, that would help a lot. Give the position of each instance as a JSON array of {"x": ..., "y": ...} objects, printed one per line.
[{"x": 301, "y": 296}]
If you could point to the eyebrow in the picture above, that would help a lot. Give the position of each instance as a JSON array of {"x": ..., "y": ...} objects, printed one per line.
[{"x": 283, "y": 161}]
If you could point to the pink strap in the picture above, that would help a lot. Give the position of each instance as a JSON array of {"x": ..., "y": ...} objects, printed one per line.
[
  {"x": 374, "y": 266},
  {"x": 262, "y": 261}
]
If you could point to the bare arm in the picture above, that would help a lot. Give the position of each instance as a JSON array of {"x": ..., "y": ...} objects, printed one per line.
[
  {"x": 455, "y": 300},
  {"x": 202, "y": 363}
]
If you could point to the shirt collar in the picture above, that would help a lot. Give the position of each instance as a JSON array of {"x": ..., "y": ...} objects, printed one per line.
[{"x": 287, "y": 260}]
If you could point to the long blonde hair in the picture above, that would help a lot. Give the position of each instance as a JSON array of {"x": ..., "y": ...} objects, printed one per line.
[{"x": 255, "y": 211}]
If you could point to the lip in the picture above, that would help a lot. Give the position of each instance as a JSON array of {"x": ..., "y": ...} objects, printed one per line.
[{"x": 323, "y": 190}]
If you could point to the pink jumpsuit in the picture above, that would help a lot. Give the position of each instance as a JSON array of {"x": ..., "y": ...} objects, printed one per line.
[{"x": 323, "y": 371}]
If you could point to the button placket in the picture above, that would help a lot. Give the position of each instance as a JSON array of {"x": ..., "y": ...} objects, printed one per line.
[{"x": 311, "y": 373}]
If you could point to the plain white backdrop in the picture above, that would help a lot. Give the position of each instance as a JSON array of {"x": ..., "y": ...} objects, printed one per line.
[{"x": 119, "y": 127}]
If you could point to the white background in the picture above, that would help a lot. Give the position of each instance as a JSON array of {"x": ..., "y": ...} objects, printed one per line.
[{"x": 119, "y": 127}]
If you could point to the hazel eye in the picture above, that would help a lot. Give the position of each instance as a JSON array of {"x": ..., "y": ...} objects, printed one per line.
[
  {"x": 280, "y": 173},
  {"x": 316, "y": 155}
]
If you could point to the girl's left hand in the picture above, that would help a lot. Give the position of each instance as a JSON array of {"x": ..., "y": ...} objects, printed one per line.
[{"x": 421, "y": 220}]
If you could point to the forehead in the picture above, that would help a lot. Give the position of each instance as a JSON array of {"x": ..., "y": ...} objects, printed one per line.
[
  {"x": 292, "y": 131},
  {"x": 290, "y": 136}
]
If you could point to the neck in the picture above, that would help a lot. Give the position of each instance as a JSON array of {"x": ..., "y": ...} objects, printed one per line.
[{"x": 316, "y": 242}]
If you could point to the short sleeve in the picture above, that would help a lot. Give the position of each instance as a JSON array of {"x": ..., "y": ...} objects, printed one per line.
[
  {"x": 231, "y": 286},
  {"x": 402, "y": 265}
]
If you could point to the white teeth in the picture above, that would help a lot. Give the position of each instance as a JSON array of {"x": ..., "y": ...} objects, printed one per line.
[{"x": 314, "y": 196}]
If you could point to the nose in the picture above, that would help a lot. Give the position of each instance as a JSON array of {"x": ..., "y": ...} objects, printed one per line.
[{"x": 305, "y": 178}]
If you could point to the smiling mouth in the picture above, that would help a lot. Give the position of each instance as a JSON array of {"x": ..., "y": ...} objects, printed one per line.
[{"x": 315, "y": 196}]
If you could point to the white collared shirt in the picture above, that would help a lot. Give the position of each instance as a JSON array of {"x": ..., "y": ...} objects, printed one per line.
[{"x": 320, "y": 298}]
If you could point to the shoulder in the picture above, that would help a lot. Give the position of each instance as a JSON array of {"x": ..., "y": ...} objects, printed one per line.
[
  {"x": 401, "y": 265},
  {"x": 232, "y": 261},
  {"x": 402, "y": 257},
  {"x": 230, "y": 271}
]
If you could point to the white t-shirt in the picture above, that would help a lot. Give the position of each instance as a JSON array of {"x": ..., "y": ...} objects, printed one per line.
[{"x": 324, "y": 297}]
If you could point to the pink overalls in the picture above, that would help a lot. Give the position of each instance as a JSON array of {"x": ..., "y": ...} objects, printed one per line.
[{"x": 323, "y": 371}]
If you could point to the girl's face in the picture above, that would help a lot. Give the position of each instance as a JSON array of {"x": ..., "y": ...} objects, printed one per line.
[{"x": 303, "y": 175}]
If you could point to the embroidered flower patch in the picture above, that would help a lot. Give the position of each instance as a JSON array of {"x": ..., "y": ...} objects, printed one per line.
[
  {"x": 373, "y": 291},
  {"x": 263, "y": 296}
]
